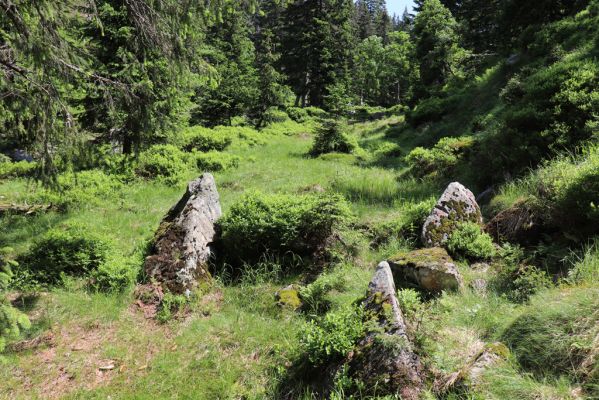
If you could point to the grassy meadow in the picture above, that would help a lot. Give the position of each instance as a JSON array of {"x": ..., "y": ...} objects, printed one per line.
[{"x": 232, "y": 341}]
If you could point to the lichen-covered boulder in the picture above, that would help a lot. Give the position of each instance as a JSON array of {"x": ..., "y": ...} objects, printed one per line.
[
  {"x": 432, "y": 270},
  {"x": 470, "y": 375},
  {"x": 456, "y": 205},
  {"x": 182, "y": 244},
  {"x": 385, "y": 360},
  {"x": 289, "y": 297}
]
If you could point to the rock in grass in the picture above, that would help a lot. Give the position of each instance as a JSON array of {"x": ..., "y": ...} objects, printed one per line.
[
  {"x": 456, "y": 205},
  {"x": 470, "y": 375},
  {"x": 385, "y": 360},
  {"x": 182, "y": 244},
  {"x": 432, "y": 270},
  {"x": 289, "y": 297},
  {"x": 522, "y": 223}
]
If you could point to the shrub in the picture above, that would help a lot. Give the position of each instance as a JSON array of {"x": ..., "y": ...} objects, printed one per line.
[
  {"x": 556, "y": 334},
  {"x": 12, "y": 321},
  {"x": 17, "y": 169},
  {"x": 80, "y": 189},
  {"x": 517, "y": 280},
  {"x": 170, "y": 305},
  {"x": 314, "y": 295},
  {"x": 368, "y": 113},
  {"x": 409, "y": 302},
  {"x": 316, "y": 112},
  {"x": 429, "y": 110},
  {"x": 274, "y": 116},
  {"x": 468, "y": 241},
  {"x": 298, "y": 114},
  {"x": 205, "y": 139},
  {"x": 332, "y": 137},
  {"x": 115, "y": 275},
  {"x": 216, "y": 161},
  {"x": 333, "y": 337},
  {"x": 408, "y": 225},
  {"x": 72, "y": 251},
  {"x": 4, "y": 159},
  {"x": 163, "y": 162},
  {"x": 261, "y": 223},
  {"x": 441, "y": 159}
]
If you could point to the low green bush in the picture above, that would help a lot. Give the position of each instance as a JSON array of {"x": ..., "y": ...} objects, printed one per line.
[
  {"x": 170, "y": 305},
  {"x": 274, "y": 116},
  {"x": 12, "y": 321},
  {"x": 166, "y": 163},
  {"x": 314, "y": 295},
  {"x": 316, "y": 112},
  {"x": 17, "y": 169},
  {"x": 410, "y": 302},
  {"x": 517, "y": 280},
  {"x": 80, "y": 189},
  {"x": 368, "y": 113},
  {"x": 332, "y": 137},
  {"x": 115, "y": 275},
  {"x": 205, "y": 139},
  {"x": 408, "y": 225},
  {"x": 298, "y": 114},
  {"x": 332, "y": 337},
  {"x": 441, "y": 159},
  {"x": 277, "y": 223},
  {"x": 216, "y": 161},
  {"x": 71, "y": 250},
  {"x": 429, "y": 110},
  {"x": 470, "y": 242},
  {"x": 556, "y": 335}
]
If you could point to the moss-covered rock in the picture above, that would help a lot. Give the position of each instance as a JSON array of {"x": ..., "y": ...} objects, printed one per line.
[
  {"x": 431, "y": 270},
  {"x": 289, "y": 297},
  {"x": 182, "y": 245},
  {"x": 456, "y": 205},
  {"x": 384, "y": 360}
]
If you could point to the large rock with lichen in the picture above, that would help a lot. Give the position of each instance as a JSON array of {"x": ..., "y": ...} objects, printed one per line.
[
  {"x": 182, "y": 244},
  {"x": 456, "y": 205},
  {"x": 431, "y": 270},
  {"x": 385, "y": 361}
]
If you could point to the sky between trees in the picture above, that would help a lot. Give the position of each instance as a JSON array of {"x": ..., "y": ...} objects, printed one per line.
[{"x": 398, "y": 6}]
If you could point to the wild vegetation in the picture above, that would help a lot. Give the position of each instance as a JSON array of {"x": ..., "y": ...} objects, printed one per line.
[{"x": 332, "y": 129}]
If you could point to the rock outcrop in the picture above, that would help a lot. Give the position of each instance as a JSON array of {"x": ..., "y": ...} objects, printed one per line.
[
  {"x": 385, "y": 360},
  {"x": 432, "y": 270},
  {"x": 456, "y": 205},
  {"x": 182, "y": 245}
]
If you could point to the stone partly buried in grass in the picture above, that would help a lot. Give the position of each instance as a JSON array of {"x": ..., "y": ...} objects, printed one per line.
[
  {"x": 182, "y": 245},
  {"x": 385, "y": 360},
  {"x": 431, "y": 270},
  {"x": 456, "y": 205},
  {"x": 471, "y": 374},
  {"x": 289, "y": 297}
]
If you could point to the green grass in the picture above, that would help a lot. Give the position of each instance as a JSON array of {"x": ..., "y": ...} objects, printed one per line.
[{"x": 232, "y": 341}]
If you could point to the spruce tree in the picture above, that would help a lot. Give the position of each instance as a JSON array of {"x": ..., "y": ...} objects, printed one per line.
[
  {"x": 437, "y": 49},
  {"x": 317, "y": 46},
  {"x": 234, "y": 89}
]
